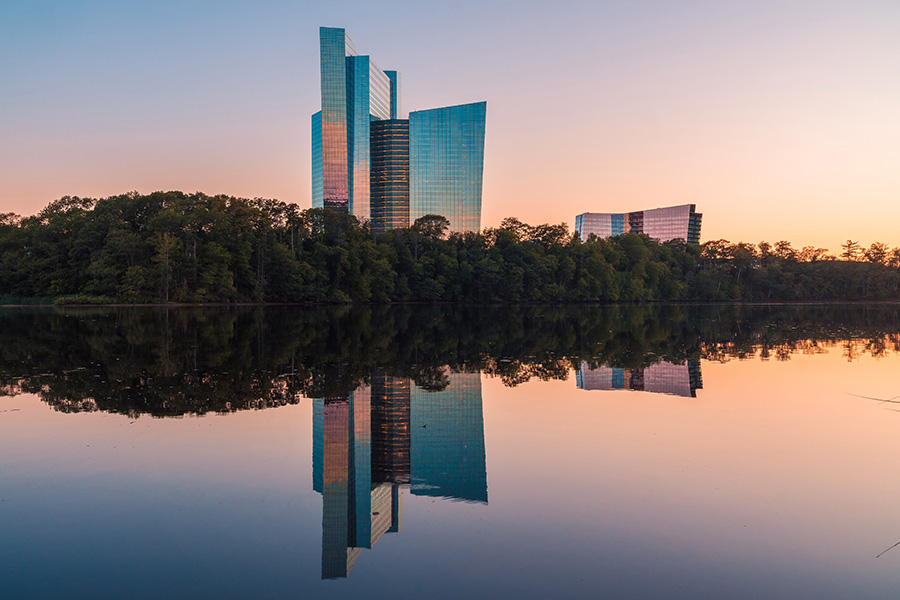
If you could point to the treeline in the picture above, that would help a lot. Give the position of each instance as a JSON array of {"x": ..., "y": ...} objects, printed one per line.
[
  {"x": 176, "y": 247},
  {"x": 190, "y": 360}
]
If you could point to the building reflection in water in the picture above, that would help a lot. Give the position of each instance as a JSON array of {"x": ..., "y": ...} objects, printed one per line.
[
  {"x": 661, "y": 378},
  {"x": 370, "y": 445}
]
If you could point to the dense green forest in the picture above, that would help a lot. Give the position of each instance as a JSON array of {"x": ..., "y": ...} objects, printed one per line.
[
  {"x": 176, "y": 247},
  {"x": 170, "y": 361}
]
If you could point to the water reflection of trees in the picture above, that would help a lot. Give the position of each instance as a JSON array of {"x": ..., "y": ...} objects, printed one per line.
[{"x": 169, "y": 362}]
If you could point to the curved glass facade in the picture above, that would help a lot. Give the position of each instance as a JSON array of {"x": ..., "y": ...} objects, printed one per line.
[
  {"x": 664, "y": 224},
  {"x": 446, "y": 161}
]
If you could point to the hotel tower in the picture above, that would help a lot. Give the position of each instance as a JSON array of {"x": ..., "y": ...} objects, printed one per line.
[{"x": 368, "y": 161}]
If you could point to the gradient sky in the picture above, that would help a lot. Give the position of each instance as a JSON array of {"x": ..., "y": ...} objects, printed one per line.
[{"x": 779, "y": 119}]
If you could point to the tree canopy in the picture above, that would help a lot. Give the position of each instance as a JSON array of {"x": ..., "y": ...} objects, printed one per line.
[{"x": 194, "y": 248}]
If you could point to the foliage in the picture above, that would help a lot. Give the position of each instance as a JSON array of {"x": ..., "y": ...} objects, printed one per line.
[
  {"x": 168, "y": 361},
  {"x": 81, "y": 300},
  {"x": 193, "y": 248}
]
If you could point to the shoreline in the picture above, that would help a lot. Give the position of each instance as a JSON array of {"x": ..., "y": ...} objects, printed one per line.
[{"x": 356, "y": 304}]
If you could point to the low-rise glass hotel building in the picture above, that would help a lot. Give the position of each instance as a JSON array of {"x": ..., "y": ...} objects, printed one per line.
[{"x": 664, "y": 224}]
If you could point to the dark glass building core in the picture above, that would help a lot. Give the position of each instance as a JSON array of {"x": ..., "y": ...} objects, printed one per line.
[
  {"x": 694, "y": 227},
  {"x": 361, "y": 109},
  {"x": 390, "y": 429},
  {"x": 446, "y": 161},
  {"x": 390, "y": 174}
]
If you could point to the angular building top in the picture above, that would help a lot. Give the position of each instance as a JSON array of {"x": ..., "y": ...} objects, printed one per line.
[{"x": 663, "y": 224}]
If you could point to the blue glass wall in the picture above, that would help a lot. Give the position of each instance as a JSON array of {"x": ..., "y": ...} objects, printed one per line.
[
  {"x": 334, "y": 46},
  {"x": 360, "y": 477},
  {"x": 368, "y": 99},
  {"x": 694, "y": 226},
  {"x": 358, "y": 134},
  {"x": 317, "y": 191},
  {"x": 394, "y": 77},
  {"x": 354, "y": 92},
  {"x": 446, "y": 162},
  {"x": 617, "y": 224}
]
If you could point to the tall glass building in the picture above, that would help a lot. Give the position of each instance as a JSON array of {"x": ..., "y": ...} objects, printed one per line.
[
  {"x": 389, "y": 176},
  {"x": 370, "y": 162},
  {"x": 663, "y": 224},
  {"x": 446, "y": 160}
]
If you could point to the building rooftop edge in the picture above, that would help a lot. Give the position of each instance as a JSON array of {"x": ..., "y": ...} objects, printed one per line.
[
  {"x": 450, "y": 106},
  {"x": 694, "y": 206}
]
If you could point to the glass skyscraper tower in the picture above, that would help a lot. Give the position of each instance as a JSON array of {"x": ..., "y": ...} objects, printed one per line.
[
  {"x": 446, "y": 158},
  {"x": 369, "y": 162}
]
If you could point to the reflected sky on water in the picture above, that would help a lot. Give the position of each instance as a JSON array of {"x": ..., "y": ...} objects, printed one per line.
[{"x": 642, "y": 452}]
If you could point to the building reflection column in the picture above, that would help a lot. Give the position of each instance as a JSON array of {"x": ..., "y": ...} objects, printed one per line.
[
  {"x": 360, "y": 476},
  {"x": 331, "y": 477},
  {"x": 369, "y": 444},
  {"x": 447, "y": 455},
  {"x": 661, "y": 378},
  {"x": 390, "y": 429}
]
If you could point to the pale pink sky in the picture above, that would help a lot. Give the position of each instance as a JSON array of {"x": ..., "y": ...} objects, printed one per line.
[{"x": 778, "y": 120}]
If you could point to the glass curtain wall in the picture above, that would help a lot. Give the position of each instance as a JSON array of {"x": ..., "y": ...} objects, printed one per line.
[
  {"x": 334, "y": 47},
  {"x": 431, "y": 164},
  {"x": 390, "y": 174},
  {"x": 663, "y": 224},
  {"x": 446, "y": 161}
]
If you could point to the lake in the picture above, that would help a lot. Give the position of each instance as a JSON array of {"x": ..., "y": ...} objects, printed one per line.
[{"x": 673, "y": 451}]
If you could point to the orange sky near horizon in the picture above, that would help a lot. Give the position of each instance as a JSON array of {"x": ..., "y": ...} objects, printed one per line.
[{"x": 778, "y": 121}]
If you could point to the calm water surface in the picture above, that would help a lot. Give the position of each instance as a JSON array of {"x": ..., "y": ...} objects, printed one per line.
[{"x": 441, "y": 452}]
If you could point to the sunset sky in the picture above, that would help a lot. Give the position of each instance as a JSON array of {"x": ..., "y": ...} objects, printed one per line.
[{"x": 778, "y": 119}]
